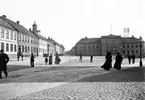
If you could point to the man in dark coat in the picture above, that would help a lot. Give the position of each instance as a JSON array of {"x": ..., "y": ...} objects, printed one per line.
[
  {"x": 118, "y": 61},
  {"x": 46, "y": 60},
  {"x": 91, "y": 58},
  {"x": 133, "y": 58},
  {"x": 129, "y": 58},
  {"x": 50, "y": 59},
  {"x": 57, "y": 59},
  {"x": 32, "y": 60},
  {"x": 80, "y": 57},
  {"x": 4, "y": 59}
]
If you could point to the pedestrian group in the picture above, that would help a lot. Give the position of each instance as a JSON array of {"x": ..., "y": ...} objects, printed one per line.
[{"x": 4, "y": 59}]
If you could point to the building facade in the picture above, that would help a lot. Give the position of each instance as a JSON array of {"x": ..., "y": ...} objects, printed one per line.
[
  {"x": 16, "y": 40},
  {"x": 27, "y": 41},
  {"x": 111, "y": 43},
  {"x": 8, "y": 38},
  {"x": 42, "y": 41}
]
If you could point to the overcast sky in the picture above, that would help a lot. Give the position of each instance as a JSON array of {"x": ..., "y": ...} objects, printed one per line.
[{"x": 67, "y": 21}]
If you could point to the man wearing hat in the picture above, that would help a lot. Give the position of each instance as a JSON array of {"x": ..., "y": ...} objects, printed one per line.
[{"x": 4, "y": 59}]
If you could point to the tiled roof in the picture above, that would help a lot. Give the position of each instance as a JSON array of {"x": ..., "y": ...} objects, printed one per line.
[
  {"x": 89, "y": 41},
  {"x": 19, "y": 27},
  {"x": 5, "y": 24}
]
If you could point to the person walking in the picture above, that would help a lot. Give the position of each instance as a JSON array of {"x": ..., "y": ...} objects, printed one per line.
[
  {"x": 32, "y": 60},
  {"x": 4, "y": 59},
  {"x": 133, "y": 58},
  {"x": 57, "y": 59},
  {"x": 91, "y": 59},
  {"x": 108, "y": 63},
  {"x": 50, "y": 59},
  {"x": 46, "y": 60},
  {"x": 22, "y": 56},
  {"x": 129, "y": 58},
  {"x": 80, "y": 57},
  {"x": 118, "y": 61}
]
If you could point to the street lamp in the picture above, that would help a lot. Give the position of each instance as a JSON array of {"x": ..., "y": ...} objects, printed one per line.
[{"x": 140, "y": 63}]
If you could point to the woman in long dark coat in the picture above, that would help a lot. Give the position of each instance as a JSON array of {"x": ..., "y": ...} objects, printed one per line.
[
  {"x": 108, "y": 63},
  {"x": 32, "y": 60},
  {"x": 50, "y": 59},
  {"x": 118, "y": 61}
]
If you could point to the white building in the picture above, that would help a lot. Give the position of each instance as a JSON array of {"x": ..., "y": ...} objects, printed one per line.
[
  {"x": 42, "y": 46},
  {"x": 8, "y": 38}
]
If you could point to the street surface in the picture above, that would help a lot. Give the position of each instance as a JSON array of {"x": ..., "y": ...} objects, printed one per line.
[{"x": 73, "y": 80}]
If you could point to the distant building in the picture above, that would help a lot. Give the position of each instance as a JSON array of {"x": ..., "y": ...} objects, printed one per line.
[
  {"x": 113, "y": 43},
  {"x": 8, "y": 38},
  {"x": 55, "y": 47},
  {"x": 42, "y": 41}
]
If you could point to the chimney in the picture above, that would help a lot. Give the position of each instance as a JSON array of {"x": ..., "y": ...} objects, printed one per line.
[
  {"x": 30, "y": 29},
  {"x": 18, "y": 22},
  {"x": 4, "y": 16}
]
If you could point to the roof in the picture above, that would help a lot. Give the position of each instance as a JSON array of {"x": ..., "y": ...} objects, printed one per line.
[
  {"x": 6, "y": 24},
  {"x": 41, "y": 37},
  {"x": 52, "y": 41},
  {"x": 130, "y": 39},
  {"x": 18, "y": 27},
  {"x": 111, "y": 36},
  {"x": 89, "y": 41}
]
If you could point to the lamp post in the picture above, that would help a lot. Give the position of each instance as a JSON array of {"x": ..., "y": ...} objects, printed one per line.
[{"x": 140, "y": 63}]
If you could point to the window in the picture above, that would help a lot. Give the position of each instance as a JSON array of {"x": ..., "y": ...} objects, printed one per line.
[
  {"x": 132, "y": 46},
  {"x": 11, "y": 35},
  {"x": 28, "y": 49},
  {"x": 7, "y": 34},
  {"x": 11, "y": 47},
  {"x": 15, "y": 37},
  {"x": 31, "y": 49},
  {"x": 136, "y": 46},
  {"x": 28, "y": 39},
  {"x": 7, "y": 47},
  {"x": 25, "y": 48},
  {"x": 25, "y": 38},
  {"x": 15, "y": 48},
  {"x": 2, "y": 45},
  {"x": 127, "y": 52},
  {"x": 22, "y": 37},
  {"x": 2, "y": 33},
  {"x": 19, "y": 37},
  {"x": 123, "y": 51},
  {"x": 137, "y": 51},
  {"x": 22, "y": 48},
  {"x": 132, "y": 51},
  {"x": 127, "y": 46},
  {"x": 123, "y": 46}
]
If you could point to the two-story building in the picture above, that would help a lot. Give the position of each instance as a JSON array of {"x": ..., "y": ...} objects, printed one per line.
[
  {"x": 8, "y": 38},
  {"x": 27, "y": 41},
  {"x": 111, "y": 43}
]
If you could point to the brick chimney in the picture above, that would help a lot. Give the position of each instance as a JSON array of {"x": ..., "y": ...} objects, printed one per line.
[
  {"x": 4, "y": 16},
  {"x": 30, "y": 29},
  {"x": 18, "y": 22}
]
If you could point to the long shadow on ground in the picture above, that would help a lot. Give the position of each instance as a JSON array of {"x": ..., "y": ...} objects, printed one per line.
[
  {"x": 124, "y": 75},
  {"x": 11, "y": 68}
]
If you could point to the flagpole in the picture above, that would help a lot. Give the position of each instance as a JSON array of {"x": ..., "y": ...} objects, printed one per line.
[{"x": 111, "y": 28}]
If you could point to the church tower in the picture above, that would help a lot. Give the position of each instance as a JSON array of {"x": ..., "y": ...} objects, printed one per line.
[{"x": 34, "y": 27}]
